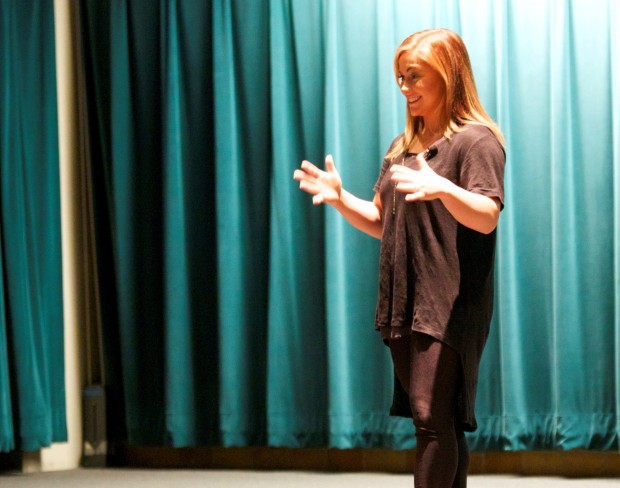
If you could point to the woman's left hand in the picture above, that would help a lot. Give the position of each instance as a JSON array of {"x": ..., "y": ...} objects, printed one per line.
[{"x": 419, "y": 184}]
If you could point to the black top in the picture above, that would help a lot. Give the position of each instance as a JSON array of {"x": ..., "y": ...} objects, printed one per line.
[{"x": 436, "y": 275}]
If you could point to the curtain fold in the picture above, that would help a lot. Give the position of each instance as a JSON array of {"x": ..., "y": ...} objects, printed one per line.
[
  {"x": 32, "y": 393},
  {"x": 150, "y": 114},
  {"x": 188, "y": 231},
  {"x": 296, "y": 395},
  {"x": 358, "y": 361},
  {"x": 242, "y": 169},
  {"x": 239, "y": 314},
  {"x": 555, "y": 307},
  {"x": 614, "y": 59}
]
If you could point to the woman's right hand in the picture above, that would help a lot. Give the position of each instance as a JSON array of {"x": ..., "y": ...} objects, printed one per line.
[{"x": 326, "y": 186}]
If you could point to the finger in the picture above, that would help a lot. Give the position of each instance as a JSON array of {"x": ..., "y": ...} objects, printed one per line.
[
  {"x": 397, "y": 168},
  {"x": 404, "y": 177},
  {"x": 305, "y": 178},
  {"x": 329, "y": 163},
  {"x": 414, "y": 197},
  {"x": 310, "y": 168},
  {"x": 422, "y": 163},
  {"x": 309, "y": 187},
  {"x": 397, "y": 177},
  {"x": 318, "y": 199},
  {"x": 406, "y": 187},
  {"x": 299, "y": 175}
]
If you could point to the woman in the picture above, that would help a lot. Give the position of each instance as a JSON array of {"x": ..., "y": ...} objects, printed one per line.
[{"x": 436, "y": 207}]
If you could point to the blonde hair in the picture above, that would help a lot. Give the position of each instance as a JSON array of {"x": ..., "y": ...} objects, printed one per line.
[{"x": 445, "y": 52}]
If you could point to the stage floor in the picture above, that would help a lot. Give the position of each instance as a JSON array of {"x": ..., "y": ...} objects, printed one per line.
[{"x": 131, "y": 478}]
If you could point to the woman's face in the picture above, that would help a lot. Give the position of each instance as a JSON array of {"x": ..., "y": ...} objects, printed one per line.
[{"x": 422, "y": 86}]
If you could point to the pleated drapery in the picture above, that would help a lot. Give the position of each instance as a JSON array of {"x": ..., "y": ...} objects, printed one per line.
[
  {"x": 150, "y": 119},
  {"x": 32, "y": 381},
  {"x": 236, "y": 313}
]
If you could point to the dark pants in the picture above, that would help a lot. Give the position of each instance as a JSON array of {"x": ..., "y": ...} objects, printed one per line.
[{"x": 429, "y": 370}]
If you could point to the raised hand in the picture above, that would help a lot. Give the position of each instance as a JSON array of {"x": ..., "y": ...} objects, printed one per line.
[
  {"x": 419, "y": 184},
  {"x": 326, "y": 186}
]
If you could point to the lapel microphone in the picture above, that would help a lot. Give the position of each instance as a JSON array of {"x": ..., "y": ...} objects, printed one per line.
[{"x": 430, "y": 153}]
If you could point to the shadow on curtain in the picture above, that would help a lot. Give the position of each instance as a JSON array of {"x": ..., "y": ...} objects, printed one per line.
[
  {"x": 151, "y": 127},
  {"x": 32, "y": 381},
  {"x": 238, "y": 314}
]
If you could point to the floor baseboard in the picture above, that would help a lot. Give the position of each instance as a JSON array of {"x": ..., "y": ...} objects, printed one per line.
[{"x": 573, "y": 464}]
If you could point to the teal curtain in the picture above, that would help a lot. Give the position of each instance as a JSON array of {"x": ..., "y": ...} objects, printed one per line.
[
  {"x": 148, "y": 72},
  {"x": 32, "y": 390},
  {"x": 239, "y": 314},
  {"x": 550, "y": 376}
]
